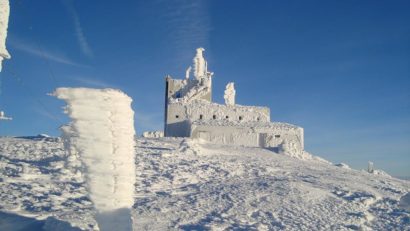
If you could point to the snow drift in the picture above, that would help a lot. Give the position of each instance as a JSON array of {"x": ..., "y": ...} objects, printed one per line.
[{"x": 102, "y": 134}]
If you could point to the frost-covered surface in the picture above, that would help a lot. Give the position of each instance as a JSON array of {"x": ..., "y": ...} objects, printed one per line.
[
  {"x": 35, "y": 182},
  {"x": 191, "y": 186},
  {"x": 186, "y": 185},
  {"x": 102, "y": 134},
  {"x": 4, "y": 22}
]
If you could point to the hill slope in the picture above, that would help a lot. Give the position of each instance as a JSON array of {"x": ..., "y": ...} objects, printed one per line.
[{"x": 186, "y": 185}]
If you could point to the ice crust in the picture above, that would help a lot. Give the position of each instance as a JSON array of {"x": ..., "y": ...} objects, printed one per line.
[{"x": 101, "y": 134}]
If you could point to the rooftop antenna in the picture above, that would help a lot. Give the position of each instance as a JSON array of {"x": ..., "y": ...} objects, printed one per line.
[{"x": 4, "y": 54}]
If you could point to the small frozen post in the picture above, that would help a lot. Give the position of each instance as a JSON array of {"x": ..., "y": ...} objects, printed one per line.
[
  {"x": 229, "y": 95},
  {"x": 101, "y": 134},
  {"x": 4, "y": 22},
  {"x": 187, "y": 72},
  {"x": 4, "y": 117},
  {"x": 370, "y": 167}
]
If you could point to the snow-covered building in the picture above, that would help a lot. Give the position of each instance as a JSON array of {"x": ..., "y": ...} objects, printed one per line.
[{"x": 190, "y": 112}]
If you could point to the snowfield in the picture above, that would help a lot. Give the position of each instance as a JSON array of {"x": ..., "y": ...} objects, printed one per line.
[{"x": 183, "y": 184}]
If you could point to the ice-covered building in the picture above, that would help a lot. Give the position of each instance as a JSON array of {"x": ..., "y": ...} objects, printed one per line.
[{"x": 190, "y": 112}]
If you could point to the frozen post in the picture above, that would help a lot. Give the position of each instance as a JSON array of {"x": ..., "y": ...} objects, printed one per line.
[
  {"x": 101, "y": 134},
  {"x": 4, "y": 54},
  {"x": 229, "y": 95},
  {"x": 4, "y": 22},
  {"x": 3, "y": 116}
]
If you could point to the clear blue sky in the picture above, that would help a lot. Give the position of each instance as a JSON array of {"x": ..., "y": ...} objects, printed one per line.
[{"x": 340, "y": 69}]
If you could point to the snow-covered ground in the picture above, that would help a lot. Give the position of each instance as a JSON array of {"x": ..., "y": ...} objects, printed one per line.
[{"x": 188, "y": 185}]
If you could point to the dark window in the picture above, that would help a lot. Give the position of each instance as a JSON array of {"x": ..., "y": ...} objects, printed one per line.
[
  {"x": 240, "y": 117},
  {"x": 201, "y": 117},
  {"x": 214, "y": 116},
  {"x": 277, "y": 136},
  {"x": 177, "y": 116},
  {"x": 227, "y": 117},
  {"x": 258, "y": 118}
]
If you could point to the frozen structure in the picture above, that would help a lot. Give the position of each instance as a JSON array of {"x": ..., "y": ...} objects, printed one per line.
[
  {"x": 4, "y": 54},
  {"x": 4, "y": 117},
  {"x": 4, "y": 22},
  {"x": 190, "y": 112},
  {"x": 101, "y": 135}
]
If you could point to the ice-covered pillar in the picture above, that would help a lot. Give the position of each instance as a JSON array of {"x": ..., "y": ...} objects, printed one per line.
[
  {"x": 101, "y": 134},
  {"x": 199, "y": 64},
  {"x": 229, "y": 95},
  {"x": 4, "y": 22}
]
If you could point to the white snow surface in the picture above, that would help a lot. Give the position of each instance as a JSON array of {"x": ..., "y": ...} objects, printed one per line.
[
  {"x": 184, "y": 184},
  {"x": 101, "y": 135},
  {"x": 4, "y": 22}
]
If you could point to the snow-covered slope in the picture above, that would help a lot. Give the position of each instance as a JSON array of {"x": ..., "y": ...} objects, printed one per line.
[{"x": 187, "y": 185}]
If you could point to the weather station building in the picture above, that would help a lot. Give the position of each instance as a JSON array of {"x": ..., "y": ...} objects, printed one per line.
[{"x": 190, "y": 112}]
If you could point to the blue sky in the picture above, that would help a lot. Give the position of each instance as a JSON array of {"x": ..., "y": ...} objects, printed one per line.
[{"x": 340, "y": 69}]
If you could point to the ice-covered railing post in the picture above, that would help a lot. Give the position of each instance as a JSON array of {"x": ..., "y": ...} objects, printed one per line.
[{"x": 101, "y": 134}]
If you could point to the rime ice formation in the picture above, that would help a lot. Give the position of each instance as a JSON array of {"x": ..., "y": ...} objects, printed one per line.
[
  {"x": 101, "y": 135},
  {"x": 4, "y": 21},
  {"x": 199, "y": 64},
  {"x": 3, "y": 116},
  {"x": 229, "y": 95},
  {"x": 190, "y": 112},
  {"x": 4, "y": 54}
]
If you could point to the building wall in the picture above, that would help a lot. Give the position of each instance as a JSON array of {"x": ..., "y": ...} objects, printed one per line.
[
  {"x": 226, "y": 135},
  {"x": 183, "y": 113},
  {"x": 178, "y": 88},
  {"x": 277, "y": 137}
]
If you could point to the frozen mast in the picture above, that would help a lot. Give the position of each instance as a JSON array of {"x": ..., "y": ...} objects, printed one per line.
[
  {"x": 4, "y": 22},
  {"x": 190, "y": 112},
  {"x": 4, "y": 54}
]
